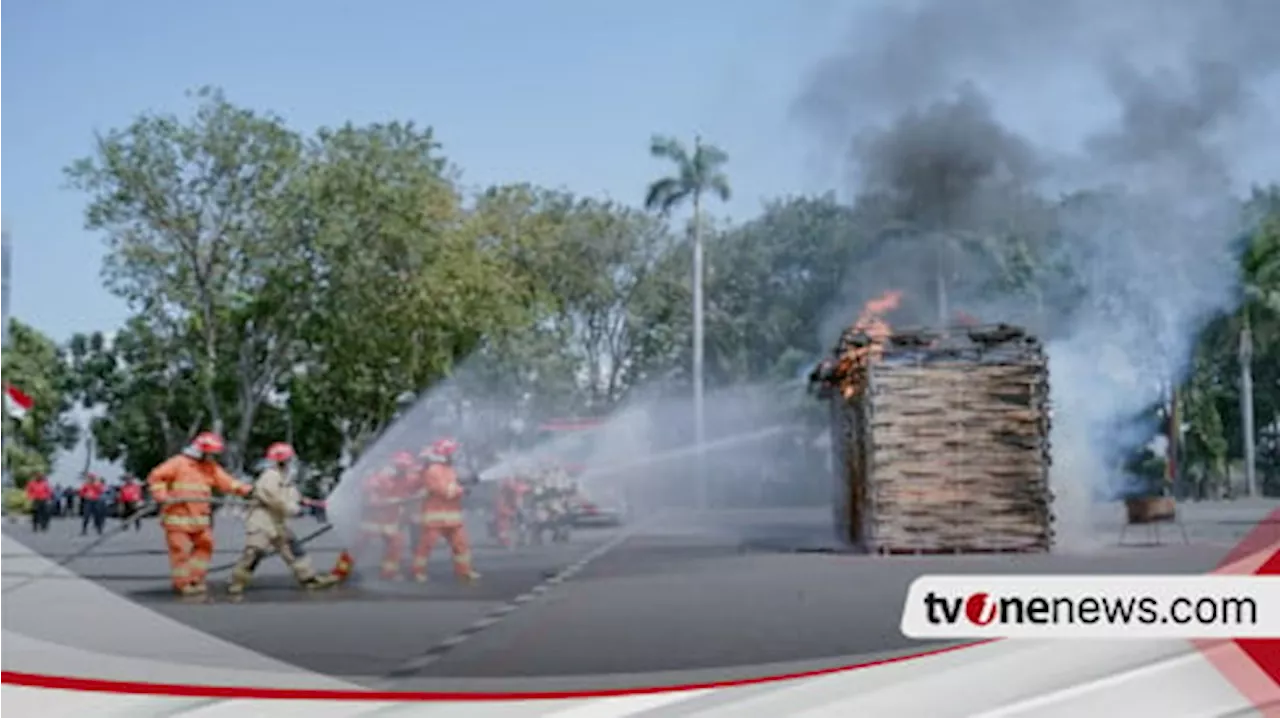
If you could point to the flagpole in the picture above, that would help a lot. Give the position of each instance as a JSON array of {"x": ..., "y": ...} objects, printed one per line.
[
  {"x": 6, "y": 284},
  {"x": 4, "y": 422}
]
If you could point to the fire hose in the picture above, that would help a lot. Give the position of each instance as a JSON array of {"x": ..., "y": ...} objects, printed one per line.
[
  {"x": 152, "y": 510},
  {"x": 142, "y": 513}
]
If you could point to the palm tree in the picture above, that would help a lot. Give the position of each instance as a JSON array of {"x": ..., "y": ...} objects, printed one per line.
[
  {"x": 697, "y": 174},
  {"x": 1261, "y": 265}
]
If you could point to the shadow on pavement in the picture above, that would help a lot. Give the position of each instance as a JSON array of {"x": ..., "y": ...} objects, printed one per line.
[{"x": 282, "y": 589}]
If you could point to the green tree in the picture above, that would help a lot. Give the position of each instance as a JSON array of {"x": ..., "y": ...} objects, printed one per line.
[
  {"x": 150, "y": 404},
  {"x": 1259, "y": 315},
  {"x": 609, "y": 284},
  {"x": 406, "y": 281},
  {"x": 34, "y": 365},
  {"x": 1219, "y": 387},
  {"x": 776, "y": 279},
  {"x": 197, "y": 219}
]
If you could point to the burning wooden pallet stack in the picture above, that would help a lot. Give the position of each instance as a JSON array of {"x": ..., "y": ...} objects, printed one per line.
[{"x": 941, "y": 437}]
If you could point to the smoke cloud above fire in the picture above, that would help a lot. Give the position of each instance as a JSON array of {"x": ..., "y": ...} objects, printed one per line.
[{"x": 1099, "y": 148}]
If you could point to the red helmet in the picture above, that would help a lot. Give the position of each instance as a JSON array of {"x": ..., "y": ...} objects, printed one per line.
[
  {"x": 280, "y": 452},
  {"x": 446, "y": 447},
  {"x": 207, "y": 443},
  {"x": 403, "y": 460},
  {"x": 441, "y": 451}
]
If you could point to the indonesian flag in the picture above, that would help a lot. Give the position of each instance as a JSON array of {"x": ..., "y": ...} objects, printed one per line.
[{"x": 16, "y": 404}]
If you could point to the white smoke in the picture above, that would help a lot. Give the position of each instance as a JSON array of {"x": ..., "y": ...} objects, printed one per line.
[{"x": 968, "y": 90}]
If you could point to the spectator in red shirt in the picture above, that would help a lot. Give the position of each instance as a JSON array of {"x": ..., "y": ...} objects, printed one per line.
[
  {"x": 40, "y": 494},
  {"x": 94, "y": 507},
  {"x": 131, "y": 502}
]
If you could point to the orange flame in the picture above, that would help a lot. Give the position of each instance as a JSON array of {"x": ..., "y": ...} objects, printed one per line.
[
  {"x": 871, "y": 323},
  {"x": 883, "y": 304}
]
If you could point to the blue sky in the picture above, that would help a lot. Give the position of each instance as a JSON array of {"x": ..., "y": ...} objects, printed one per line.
[{"x": 559, "y": 92}]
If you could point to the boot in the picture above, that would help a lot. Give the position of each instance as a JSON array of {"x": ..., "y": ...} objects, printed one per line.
[
  {"x": 469, "y": 577},
  {"x": 239, "y": 580},
  {"x": 194, "y": 589}
]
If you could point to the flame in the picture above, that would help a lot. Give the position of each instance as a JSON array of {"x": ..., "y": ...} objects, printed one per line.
[
  {"x": 883, "y": 304},
  {"x": 871, "y": 323}
]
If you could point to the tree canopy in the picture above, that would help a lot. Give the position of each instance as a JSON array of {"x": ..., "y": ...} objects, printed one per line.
[
  {"x": 297, "y": 285},
  {"x": 35, "y": 365}
]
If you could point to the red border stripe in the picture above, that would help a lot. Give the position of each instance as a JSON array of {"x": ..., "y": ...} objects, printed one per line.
[
  {"x": 1250, "y": 544},
  {"x": 96, "y": 685},
  {"x": 1250, "y": 664}
]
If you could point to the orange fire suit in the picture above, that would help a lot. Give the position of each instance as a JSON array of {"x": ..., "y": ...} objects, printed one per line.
[
  {"x": 442, "y": 516},
  {"x": 509, "y": 500},
  {"x": 380, "y": 520},
  {"x": 188, "y": 531},
  {"x": 504, "y": 512}
]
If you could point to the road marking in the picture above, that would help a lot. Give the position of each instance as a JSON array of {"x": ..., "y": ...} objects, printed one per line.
[{"x": 415, "y": 665}]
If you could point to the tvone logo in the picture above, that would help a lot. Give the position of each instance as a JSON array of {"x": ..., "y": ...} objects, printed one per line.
[{"x": 980, "y": 609}]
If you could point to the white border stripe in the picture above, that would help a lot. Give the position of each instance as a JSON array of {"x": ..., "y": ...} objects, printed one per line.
[
  {"x": 628, "y": 705},
  {"x": 1068, "y": 694}
]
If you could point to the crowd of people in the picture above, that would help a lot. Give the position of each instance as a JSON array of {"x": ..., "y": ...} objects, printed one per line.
[
  {"x": 408, "y": 506},
  {"x": 93, "y": 502}
]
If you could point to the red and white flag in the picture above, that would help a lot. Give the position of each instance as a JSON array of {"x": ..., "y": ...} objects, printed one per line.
[{"x": 16, "y": 404}]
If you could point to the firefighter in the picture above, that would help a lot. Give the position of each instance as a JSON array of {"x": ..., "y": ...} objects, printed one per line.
[
  {"x": 380, "y": 521},
  {"x": 542, "y": 504},
  {"x": 409, "y": 490},
  {"x": 561, "y": 504},
  {"x": 40, "y": 494},
  {"x": 441, "y": 514},
  {"x": 525, "y": 510},
  {"x": 505, "y": 511},
  {"x": 183, "y": 488},
  {"x": 275, "y": 499}
]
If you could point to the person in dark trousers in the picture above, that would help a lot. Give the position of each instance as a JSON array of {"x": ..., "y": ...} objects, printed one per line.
[
  {"x": 130, "y": 496},
  {"x": 40, "y": 494},
  {"x": 68, "y": 499},
  {"x": 92, "y": 504}
]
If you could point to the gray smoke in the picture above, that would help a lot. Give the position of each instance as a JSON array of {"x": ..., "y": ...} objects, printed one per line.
[{"x": 1097, "y": 146}]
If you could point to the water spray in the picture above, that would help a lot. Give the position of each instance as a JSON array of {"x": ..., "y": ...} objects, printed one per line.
[{"x": 508, "y": 467}]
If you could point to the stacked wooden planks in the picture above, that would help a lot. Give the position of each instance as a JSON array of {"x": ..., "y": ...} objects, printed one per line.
[{"x": 943, "y": 442}]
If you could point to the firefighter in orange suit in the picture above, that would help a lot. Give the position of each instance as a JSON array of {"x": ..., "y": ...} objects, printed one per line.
[
  {"x": 441, "y": 514},
  {"x": 510, "y": 519},
  {"x": 407, "y": 488},
  {"x": 380, "y": 519},
  {"x": 183, "y": 487},
  {"x": 506, "y": 507}
]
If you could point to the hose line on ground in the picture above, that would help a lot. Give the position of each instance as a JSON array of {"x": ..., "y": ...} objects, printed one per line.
[{"x": 144, "y": 512}]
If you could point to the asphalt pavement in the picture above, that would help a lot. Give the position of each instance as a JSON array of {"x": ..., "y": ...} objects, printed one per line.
[{"x": 711, "y": 593}]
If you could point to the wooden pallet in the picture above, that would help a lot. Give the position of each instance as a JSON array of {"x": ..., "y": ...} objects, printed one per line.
[
  {"x": 959, "y": 550},
  {"x": 943, "y": 444}
]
